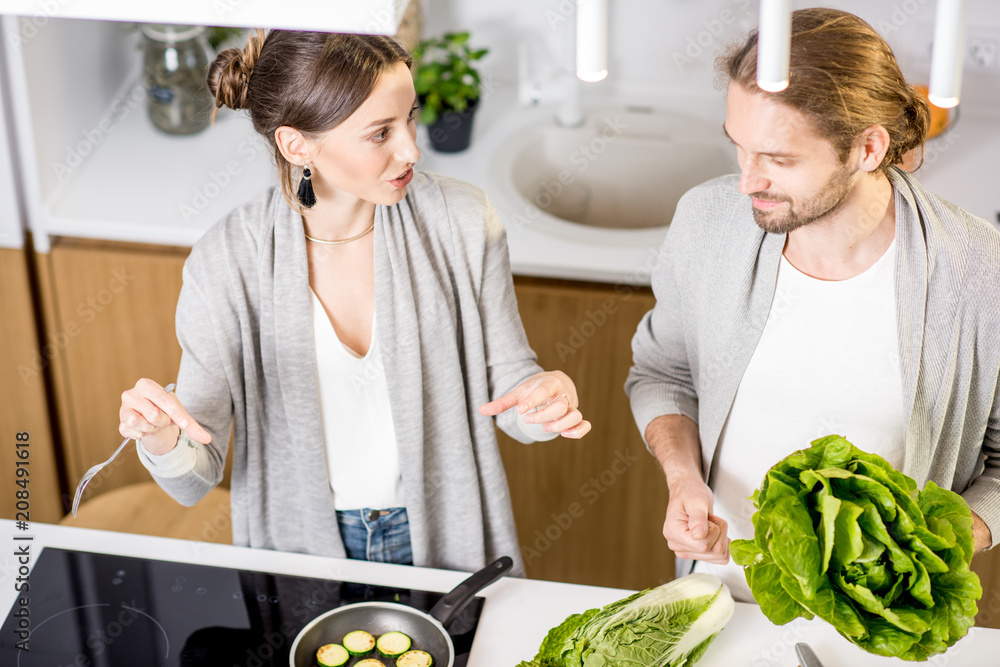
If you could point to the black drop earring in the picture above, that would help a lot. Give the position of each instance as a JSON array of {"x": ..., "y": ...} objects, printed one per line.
[{"x": 306, "y": 195}]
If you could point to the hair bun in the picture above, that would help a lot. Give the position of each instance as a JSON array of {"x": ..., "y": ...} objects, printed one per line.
[{"x": 229, "y": 74}]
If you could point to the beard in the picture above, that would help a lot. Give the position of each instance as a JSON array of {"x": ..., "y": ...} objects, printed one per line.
[{"x": 829, "y": 198}]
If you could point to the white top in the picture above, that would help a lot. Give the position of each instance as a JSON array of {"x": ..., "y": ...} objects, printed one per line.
[
  {"x": 361, "y": 452},
  {"x": 827, "y": 363}
]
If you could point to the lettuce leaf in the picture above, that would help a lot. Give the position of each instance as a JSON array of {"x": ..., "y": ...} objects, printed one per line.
[
  {"x": 668, "y": 626},
  {"x": 840, "y": 534}
]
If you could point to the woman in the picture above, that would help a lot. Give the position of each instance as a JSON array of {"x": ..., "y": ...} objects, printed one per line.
[{"x": 357, "y": 334}]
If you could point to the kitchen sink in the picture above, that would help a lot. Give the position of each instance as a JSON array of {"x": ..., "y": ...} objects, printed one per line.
[{"x": 614, "y": 179}]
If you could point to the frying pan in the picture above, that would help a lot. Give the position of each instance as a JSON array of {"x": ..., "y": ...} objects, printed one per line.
[{"x": 426, "y": 629}]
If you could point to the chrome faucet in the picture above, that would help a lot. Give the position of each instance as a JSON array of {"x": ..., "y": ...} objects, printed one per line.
[{"x": 565, "y": 83}]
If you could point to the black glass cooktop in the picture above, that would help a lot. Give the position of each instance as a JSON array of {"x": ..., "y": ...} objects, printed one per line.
[{"x": 96, "y": 610}]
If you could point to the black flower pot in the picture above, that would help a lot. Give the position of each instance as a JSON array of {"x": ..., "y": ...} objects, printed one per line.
[{"x": 452, "y": 130}]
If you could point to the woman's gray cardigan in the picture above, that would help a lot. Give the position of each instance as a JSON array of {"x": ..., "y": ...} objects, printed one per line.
[{"x": 451, "y": 340}]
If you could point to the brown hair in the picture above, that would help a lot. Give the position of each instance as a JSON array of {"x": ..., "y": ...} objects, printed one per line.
[
  {"x": 311, "y": 81},
  {"x": 845, "y": 77}
]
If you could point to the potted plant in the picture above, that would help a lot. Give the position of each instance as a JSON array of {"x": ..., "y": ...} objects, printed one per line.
[{"x": 448, "y": 88}]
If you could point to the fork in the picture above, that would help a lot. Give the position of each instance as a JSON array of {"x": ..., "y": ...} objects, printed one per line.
[{"x": 89, "y": 475}]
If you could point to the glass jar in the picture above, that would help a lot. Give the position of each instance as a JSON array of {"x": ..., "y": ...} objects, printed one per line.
[{"x": 174, "y": 71}]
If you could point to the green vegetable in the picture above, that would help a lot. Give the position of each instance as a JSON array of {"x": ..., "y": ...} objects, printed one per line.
[
  {"x": 415, "y": 659},
  {"x": 668, "y": 626},
  {"x": 392, "y": 644},
  {"x": 840, "y": 534},
  {"x": 359, "y": 642},
  {"x": 332, "y": 655}
]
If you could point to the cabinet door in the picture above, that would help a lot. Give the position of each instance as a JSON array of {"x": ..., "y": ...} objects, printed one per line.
[
  {"x": 987, "y": 565},
  {"x": 22, "y": 395},
  {"x": 109, "y": 321},
  {"x": 589, "y": 511}
]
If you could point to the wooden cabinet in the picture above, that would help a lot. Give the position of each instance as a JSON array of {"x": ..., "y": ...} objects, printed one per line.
[
  {"x": 22, "y": 395},
  {"x": 109, "y": 313},
  {"x": 589, "y": 511},
  {"x": 987, "y": 565}
]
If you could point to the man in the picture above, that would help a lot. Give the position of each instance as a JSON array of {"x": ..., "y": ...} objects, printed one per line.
[{"x": 823, "y": 291}]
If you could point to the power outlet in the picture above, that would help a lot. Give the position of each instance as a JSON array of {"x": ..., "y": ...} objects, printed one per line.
[
  {"x": 981, "y": 52},
  {"x": 982, "y": 47}
]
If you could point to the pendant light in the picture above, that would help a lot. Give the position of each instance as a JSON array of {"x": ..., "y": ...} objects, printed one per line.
[
  {"x": 592, "y": 40},
  {"x": 774, "y": 39},
  {"x": 949, "y": 52}
]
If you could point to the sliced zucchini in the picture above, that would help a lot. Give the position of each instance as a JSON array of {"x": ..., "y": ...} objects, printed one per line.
[
  {"x": 392, "y": 644},
  {"x": 415, "y": 659},
  {"x": 359, "y": 642},
  {"x": 369, "y": 662},
  {"x": 332, "y": 655}
]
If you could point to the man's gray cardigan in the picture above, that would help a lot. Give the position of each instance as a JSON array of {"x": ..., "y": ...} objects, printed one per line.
[
  {"x": 714, "y": 282},
  {"x": 451, "y": 340}
]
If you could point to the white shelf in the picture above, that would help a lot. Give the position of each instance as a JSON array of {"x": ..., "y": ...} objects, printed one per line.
[
  {"x": 93, "y": 164},
  {"x": 367, "y": 16},
  {"x": 11, "y": 234},
  {"x": 140, "y": 184}
]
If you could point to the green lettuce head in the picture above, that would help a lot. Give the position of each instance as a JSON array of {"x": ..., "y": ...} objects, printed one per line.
[{"x": 840, "y": 534}]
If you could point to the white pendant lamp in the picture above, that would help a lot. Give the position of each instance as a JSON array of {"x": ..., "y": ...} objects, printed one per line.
[
  {"x": 774, "y": 39},
  {"x": 592, "y": 40},
  {"x": 949, "y": 51}
]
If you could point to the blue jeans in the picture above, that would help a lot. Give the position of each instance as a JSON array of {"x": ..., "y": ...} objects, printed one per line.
[{"x": 377, "y": 535}]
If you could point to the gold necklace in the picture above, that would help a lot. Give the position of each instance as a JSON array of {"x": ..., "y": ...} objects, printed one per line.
[{"x": 342, "y": 241}]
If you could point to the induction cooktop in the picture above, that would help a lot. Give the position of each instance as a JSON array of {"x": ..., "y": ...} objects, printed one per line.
[{"x": 98, "y": 610}]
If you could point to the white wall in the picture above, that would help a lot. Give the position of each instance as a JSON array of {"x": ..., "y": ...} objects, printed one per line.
[{"x": 669, "y": 44}]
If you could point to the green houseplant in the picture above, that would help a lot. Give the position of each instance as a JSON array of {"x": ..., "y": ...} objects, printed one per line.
[{"x": 448, "y": 86}]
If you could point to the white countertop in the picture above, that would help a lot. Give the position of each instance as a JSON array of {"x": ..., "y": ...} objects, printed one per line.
[{"x": 517, "y": 613}]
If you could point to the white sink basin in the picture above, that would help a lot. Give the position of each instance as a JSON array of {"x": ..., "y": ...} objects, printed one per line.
[{"x": 614, "y": 180}]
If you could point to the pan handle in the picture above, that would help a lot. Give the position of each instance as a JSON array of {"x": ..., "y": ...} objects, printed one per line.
[{"x": 452, "y": 604}]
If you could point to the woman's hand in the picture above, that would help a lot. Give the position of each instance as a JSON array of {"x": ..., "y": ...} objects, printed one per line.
[
  {"x": 150, "y": 412},
  {"x": 554, "y": 394}
]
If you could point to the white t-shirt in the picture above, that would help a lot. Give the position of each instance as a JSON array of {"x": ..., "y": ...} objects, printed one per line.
[
  {"x": 827, "y": 363},
  {"x": 361, "y": 451}
]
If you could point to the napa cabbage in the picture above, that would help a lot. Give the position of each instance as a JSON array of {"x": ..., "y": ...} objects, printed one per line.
[{"x": 668, "y": 626}]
